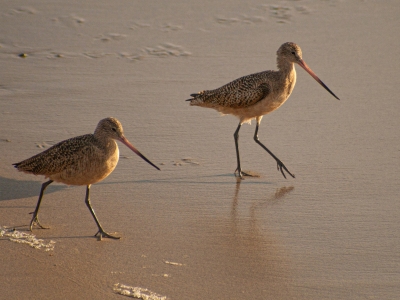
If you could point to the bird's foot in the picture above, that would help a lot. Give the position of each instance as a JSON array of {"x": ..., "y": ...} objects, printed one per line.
[
  {"x": 281, "y": 167},
  {"x": 35, "y": 221},
  {"x": 239, "y": 173},
  {"x": 101, "y": 233}
]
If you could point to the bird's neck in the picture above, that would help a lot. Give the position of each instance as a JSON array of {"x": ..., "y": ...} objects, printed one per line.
[
  {"x": 104, "y": 140},
  {"x": 285, "y": 67}
]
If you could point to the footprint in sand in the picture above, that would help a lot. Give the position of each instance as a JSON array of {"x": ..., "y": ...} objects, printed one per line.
[
  {"x": 23, "y": 10},
  {"x": 284, "y": 13},
  {"x": 71, "y": 21},
  {"x": 244, "y": 19},
  {"x": 163, "y": 50},
  {"x": 185, "y": 162},
  {"x": 170, "y": 27},
  {"x": 138, "y": 25},
  {"x": 111, "y": 37},
  {"x": 166, "y": 49}
]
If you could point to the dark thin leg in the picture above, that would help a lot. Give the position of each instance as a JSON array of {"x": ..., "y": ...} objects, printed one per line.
[
  {"x": 280, "y": 164},
  {"x": 35, "y": 219},
  {"x": 239, "y": 171},
  {"x": 101, "y": 232}
]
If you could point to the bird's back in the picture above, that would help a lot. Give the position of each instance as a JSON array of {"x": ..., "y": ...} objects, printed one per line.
[
  {"x": 80, "y": 160},
  {"x": 240, "y": 93}
]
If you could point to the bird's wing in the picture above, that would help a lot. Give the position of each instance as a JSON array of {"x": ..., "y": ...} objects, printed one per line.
[
  {"x": 240, "y": 93},
  {"x": 58, "y": 157}
]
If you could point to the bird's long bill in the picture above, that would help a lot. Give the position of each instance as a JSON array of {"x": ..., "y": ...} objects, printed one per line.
[
  {"x": 130, "y": 146},
  {"x": 309, "y": 71}
]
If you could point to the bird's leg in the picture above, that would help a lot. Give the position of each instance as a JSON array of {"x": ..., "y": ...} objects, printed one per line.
[
  {"x": 101, "y": 233},
  {"x": 35, "y": 219},
  {"x": 280, "y": 164},
  {"x": 238, "y": 171}
]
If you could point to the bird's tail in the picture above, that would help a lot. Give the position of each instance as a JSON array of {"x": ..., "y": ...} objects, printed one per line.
[
  {"x": 23, "y": 167},
  {"x": 196, "y": 98},
  {"x": 30, "y": 165}
]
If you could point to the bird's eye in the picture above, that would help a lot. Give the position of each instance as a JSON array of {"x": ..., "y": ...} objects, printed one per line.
[
  {"x": 294, "y": 53},
  {"x": 114, "y": 129}
]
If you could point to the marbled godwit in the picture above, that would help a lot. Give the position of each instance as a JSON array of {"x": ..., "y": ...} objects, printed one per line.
[
  {"x": 252, "y": 96},
  {"x": 82, "y": 160}
]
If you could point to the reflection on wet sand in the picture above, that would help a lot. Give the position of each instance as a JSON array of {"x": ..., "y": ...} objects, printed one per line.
[
  {"x": 246, "y": 253},
  {"x": 258, "y": 248}
]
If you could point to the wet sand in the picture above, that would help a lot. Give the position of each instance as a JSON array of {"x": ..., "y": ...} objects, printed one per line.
[{"x": 192, "y": 231}]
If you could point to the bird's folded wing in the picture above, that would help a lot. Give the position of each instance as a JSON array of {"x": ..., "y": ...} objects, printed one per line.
[
  {"x": 58, "y": 157},
  {"x": 240, "y": 93}
]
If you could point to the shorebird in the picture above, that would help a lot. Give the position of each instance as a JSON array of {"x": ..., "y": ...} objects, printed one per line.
[
  {"x": 255, "y": 95},
  {"x": 82, "y": 160}
]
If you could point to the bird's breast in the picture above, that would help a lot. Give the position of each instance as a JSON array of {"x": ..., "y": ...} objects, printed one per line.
[
  {"x": 281, "y": 91},
  {"x": 279, "y": 96},
  {"x": 91, "y": 168}
]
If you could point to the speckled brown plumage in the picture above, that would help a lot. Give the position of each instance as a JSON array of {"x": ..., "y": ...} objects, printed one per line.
[
  {"x": 62, "y": 156},
  {"x": 240, "y": 93},
  {"x": 252, "y": 96},
  {"x": 82, "y": 160}
]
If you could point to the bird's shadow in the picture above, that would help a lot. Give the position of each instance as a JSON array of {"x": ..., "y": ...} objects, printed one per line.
[
  {"x": 12, "y": 189},
  {"x": 205, "y": 179}
]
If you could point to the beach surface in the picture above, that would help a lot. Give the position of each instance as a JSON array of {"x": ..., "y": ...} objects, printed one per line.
[{"x": 192, "y": 230}]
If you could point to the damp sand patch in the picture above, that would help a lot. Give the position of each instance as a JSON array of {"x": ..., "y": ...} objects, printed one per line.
[{"x": 26, "y": 238}]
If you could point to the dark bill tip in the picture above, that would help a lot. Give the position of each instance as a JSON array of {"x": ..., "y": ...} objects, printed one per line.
[{"x": 313, "y": 75}]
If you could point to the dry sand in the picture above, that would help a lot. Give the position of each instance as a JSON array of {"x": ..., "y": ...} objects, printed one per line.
[{"x": 191, "y": 231}]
